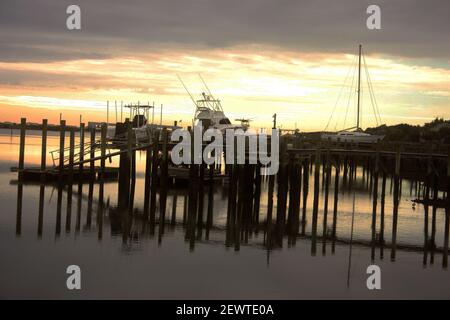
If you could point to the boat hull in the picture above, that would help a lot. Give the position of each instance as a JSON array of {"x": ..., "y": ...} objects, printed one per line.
[{"x": 352, "y": 138}]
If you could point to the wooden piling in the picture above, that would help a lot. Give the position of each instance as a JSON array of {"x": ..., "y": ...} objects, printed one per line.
[
  {"x": 44, "y": 150},
  {"x": 62, "y": 131},
  {"x": 23, "y": 124},
  {"x": 81, "y": 158}
]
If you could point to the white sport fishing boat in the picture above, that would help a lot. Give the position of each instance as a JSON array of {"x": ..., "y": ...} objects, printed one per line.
[
  {"x": 210, "y": 113},
  {"x": 356, "y": 134}
]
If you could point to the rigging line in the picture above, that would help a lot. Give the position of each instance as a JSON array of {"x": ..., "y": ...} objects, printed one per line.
[
  {"x": 375, "y": 100},
  {"x": 340, "y": 93},
  {"x": 371, "y": 94},
  {"x": 349, "y": 96},
  {"x": 377, "y": 110}
]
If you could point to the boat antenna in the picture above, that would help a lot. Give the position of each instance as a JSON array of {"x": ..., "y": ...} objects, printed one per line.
[
  {"x": 206, "y": 86},
  {"x": 185, "y": 88}
]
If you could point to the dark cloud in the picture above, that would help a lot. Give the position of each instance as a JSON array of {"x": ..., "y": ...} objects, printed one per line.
[{"x": 34, "y": 30}]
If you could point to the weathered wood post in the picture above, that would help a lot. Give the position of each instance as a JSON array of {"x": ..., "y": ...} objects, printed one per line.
[
  {"x": 305, "y": 193},
  {"x": 101, "y": 179},
  {"x": 23, "y": 124},
  {"x": 81, "y": 158},
  {"x": 70, "y": 180},
  {"x": 164, "y": 181},
  {"x": 124, "y": 169},
  {"x": 327, "y": 170},
  {"x": 44, "y": 150},
  {"x": 62, "y": 131},
  {"x": 92, "y": 155}
]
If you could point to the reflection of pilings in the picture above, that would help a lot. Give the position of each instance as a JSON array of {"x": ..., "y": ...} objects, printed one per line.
[
  {"x": 23, "y": 122},
  {"x": 257, "y": 195},
  {"x": 154, "y": 179},
  {"x": 148, "y": 175},
  {"x": 374, "y": 203},
  {"x": 335, "y": 205},
  {"x": 382, "y": 200},
  {"x": 174, "y": 210},
  {"x": 101, "y": 181},
  {"x": 41, "y": 209},
  {"x": 426, "y": 208},
  {"x": 396, "y": 202},
  {"x": 80, "y": 181},
  {"x": 19, "y": 207},
  {"x": 209, "y": 218},
  {"x": 327, "y": 170},
  {"x": 315, "y": 202},
  {"x": 124, "y": 171},
  {"x": 164, "y": 181},
  {"x": 305, "y": 194},
  {"x": 433, "y": 218},
  {"x": 447, "y": 218},
  {"x": 70, "y": 180},
  {"x": 294, "y": 201}
]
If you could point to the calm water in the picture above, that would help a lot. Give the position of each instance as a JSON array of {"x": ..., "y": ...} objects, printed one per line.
[{"x": 37, "y": 249}]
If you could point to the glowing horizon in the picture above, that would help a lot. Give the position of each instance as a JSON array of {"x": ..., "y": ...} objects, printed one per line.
[{"x": 251, "y": 81}]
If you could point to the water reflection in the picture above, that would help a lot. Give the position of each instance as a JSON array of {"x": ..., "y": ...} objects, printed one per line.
[{"x": 244, "y": 215}]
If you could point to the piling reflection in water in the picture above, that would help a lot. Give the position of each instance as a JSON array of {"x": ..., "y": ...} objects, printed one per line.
[{"x": 259, "y": 211}]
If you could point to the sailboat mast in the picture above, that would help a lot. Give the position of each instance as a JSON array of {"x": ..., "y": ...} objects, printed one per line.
[{"x": 359, "y": 86}]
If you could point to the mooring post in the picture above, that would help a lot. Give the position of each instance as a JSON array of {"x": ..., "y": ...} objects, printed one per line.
[
  {"x": 71, "y": 155},
  {"x": 44, "y": 149},
  {"x": 92, "y": 155},
  {"x": 164, "y": 181},
  {"x": 305, "y": 193},
  {"x": 124, "y": 171},
  {"x": 23, "y": 124},
  {"x": 70, "y": 180},
  {"x": 81, "y": 157},
  {"x": 62, "y": 132}
]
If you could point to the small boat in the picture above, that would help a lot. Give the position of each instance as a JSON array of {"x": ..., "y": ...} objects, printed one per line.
[{"x": 356, "y": 134}]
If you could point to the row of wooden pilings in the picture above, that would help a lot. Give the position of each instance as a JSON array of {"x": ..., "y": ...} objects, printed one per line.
[{"x": 244, "y": 190}]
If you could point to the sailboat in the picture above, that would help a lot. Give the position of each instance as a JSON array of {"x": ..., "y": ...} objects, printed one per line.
[{"x": 355, "y": 134}]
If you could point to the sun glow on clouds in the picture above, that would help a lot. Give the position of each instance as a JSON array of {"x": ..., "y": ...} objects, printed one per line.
[{"x": 300, "y": 88}]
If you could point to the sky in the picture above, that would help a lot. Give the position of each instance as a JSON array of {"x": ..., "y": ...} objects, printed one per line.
[{"x": 260, "y": 57}]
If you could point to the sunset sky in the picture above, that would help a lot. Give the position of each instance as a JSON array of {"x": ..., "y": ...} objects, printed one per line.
[{"x": 259, "y": 57}]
